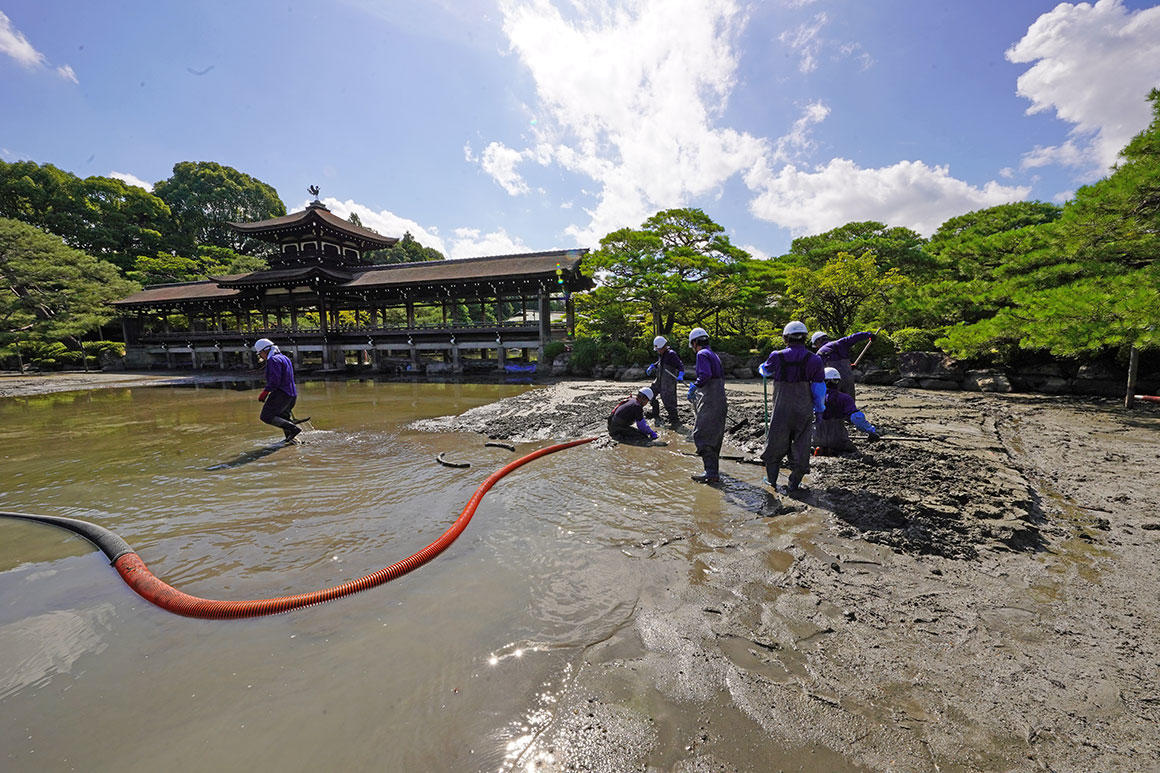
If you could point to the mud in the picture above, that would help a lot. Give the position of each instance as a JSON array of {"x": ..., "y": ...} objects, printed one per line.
[{"x": 977, "y": 595}]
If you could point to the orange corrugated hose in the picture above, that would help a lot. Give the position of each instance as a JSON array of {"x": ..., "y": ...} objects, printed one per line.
[{"x": 134, "y": 571}]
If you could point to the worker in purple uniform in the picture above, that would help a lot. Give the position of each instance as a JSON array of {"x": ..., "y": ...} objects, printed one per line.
[
  {"x": 830, "y": 435},
  {"x": 799, "y": 394},
  {"x": 627, "y": 424},
  {"x": 279, "y": 396},
  {"x": 668, "y": 370},
  {"x": 707, "y": 394},
  {"x": 836, "y": 354}
]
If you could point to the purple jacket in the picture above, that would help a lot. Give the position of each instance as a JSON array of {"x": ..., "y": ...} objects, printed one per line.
[
  {"x": 840, "y": 349},
  {"x": 708, "y": 367},
  {"x": 280, "y": 374},
  {"x": 795, "y": 363},
  {"x": 839, "y": 405}
]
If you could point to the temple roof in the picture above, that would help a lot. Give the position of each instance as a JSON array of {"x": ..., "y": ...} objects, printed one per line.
[
  {"x": 534, "y": 266},
  {"x": 315, "y": 217}
]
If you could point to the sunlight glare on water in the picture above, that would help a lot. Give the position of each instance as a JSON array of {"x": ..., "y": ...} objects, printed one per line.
[{"x": 450, "y": 667}]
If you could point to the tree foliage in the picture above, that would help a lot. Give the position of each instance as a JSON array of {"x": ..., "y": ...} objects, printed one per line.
[
  {"x": 50, "y": 291},
  {"x": 841, "y": 291},
  {"x": 406, "y": 250},
  {"x": 204, "y": 197}
]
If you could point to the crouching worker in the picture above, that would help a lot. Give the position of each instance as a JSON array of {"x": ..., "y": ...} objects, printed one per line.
[
  {"x": 279, "y": 396},
  {"x": 830, "y": 434},
  {"x": 627, "y": 423}
]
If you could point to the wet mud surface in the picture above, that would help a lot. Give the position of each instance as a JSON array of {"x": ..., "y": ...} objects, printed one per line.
[{"x": 978, "y": 594}]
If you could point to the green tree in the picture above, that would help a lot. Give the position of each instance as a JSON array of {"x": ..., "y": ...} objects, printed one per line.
[
  {"x": 204, "y": 197},
  {"x": 841, "y": 291},
  {"x": 406, "y": 250},
  {"x": 679, "y": 262},
  {"x": 892, "y": 247},
  {"x": 51, "y": 292}
]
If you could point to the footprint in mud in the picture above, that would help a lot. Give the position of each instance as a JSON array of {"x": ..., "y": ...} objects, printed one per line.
[{"x": 756, "y": 499}]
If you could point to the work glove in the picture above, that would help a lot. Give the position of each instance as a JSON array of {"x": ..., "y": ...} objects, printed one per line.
[
  {"x": 763, "y": 371},
  {"x": 653, "y": 435},
  {"x": 692, "y": 388},
  {"x": 262, "y": 397},
  {"x": 651, "y": 369},
  {"x": 680, "y": 375},
  {"x": 873, "y": 437}
]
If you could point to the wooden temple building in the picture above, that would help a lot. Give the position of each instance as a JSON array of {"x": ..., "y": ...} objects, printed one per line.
[{"x": 323, "y": 305}]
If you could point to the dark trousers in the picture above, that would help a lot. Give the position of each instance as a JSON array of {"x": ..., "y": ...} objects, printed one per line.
[
  {"x": 276, "y": 411},
  {"x": 627, "y": 434}
]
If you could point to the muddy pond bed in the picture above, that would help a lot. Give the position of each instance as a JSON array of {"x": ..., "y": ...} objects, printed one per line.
[{"x": 979, "y": 594}]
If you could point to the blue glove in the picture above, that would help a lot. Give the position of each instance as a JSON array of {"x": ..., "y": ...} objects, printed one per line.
[
  {"x": 653, "y": 435},
  {"x": 764, "y": 371},
  {"x": 818, "y": 390},
  {"x": 681, "y": 375},
  {"x": 651, "y": 369},
  {"x": 858, "y": 419},
  {"x": 692, "y": 388}
]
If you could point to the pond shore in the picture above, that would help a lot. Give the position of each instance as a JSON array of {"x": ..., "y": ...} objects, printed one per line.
[
  {"x": 14, "y": 384},
  {"x": 978, "y": 594}
]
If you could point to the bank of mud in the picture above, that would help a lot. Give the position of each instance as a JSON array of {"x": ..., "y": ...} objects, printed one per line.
[{"x": 978, "y": 594}]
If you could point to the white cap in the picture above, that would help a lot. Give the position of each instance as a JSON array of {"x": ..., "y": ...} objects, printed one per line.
[
  {"x": 819, "y": 334},
  {"x": 697, "y": 332},
  {"x": 648, "y": 393},
  {"x": 262, "y": 344},
  {"x": 832, "y": 374},
  {"x": 794, "y": 328},
  {"x": 660, "y": 342}
]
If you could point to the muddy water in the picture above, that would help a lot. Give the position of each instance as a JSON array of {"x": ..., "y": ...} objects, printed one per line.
[{"x": 454, "y": 667}]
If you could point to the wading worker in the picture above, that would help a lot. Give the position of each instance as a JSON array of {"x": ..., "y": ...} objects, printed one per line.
[
  {"x": 626, "y": 422},
  {"x": 707, "y": 394},
  {"x": 830, "y": 434},
  {"x": 668, "y": 370},
  {"x": 279, "y": 396},
  {"x": 799, "y": 394},
  {"x": 836, "y": 354}
]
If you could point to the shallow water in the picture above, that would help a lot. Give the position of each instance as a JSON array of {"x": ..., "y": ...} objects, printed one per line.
[{"x": 452, "y": 667}]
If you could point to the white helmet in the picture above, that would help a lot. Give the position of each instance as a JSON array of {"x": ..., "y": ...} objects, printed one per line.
[
  {"x": 697, "y": 332},
  {"x": 648, "y": 393},
  {"x": 262, "y": 344},
  {"x": 832, "y": 374},
  {"x": 819, "y": 334},
  {"x": 794, "y": 328},
  {"x": 660, "y": 342}
]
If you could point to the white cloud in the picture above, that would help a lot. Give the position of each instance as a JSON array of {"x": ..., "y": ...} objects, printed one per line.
[
  {"x": 500, "y": 162},
  {"x": 1093, "y": 65},
  {"x": 806, "y": 40},
  {"x": 385, "y": 222},
  {"x": 471, "y": 242},
  {"x": 14, "y": 44},
  {"x": 131, "y": 180},
  {"x": 755, "y": 252},
  {"x": 639, "y": 116},
  {"x": 1007, "y": 173},
  {"x": 1063, "y": 197},
  {"x": 909, "y": 193}
]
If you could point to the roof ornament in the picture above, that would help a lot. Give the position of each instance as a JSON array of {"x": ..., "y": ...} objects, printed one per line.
[{"x": 313, "y": 191}]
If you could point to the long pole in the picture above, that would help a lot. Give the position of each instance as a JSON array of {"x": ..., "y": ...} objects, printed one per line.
[
  {"x": 865, "y": 349},
  {"x": 765, "y": 394}
]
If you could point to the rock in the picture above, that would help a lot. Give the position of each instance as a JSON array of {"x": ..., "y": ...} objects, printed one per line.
[
  {"x": 560, "y": 365},
  {"x": 879, "y": 376},
  {"x": 986, "y": 381},
  {"x": 633, "y": 373},
  {"x": 938, "y": 383},
  {"x": 729, "y": 362},
  {"x": 906, "y": 383},
  {"x": 742, "y": 372},
  {"x": 434, "y": 368},
  {"x": 934, "y": 365},
  {"x": 609, "y": 372},
  {"x": 1055, "y": 386},
  {"x": 1096, "y": 371},
  {"x": 1047, "y": 370},
  {"x": 1102, "y": 387}
]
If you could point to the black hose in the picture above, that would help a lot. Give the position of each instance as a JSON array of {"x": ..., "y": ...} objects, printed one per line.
[
  {"x": 110, "y": 544},
  {"x": 445, "y": 463},
  {"x": 493, "y": 444}
]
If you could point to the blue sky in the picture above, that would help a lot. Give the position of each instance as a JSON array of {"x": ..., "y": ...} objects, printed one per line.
[{"x": 497, "y": 127}]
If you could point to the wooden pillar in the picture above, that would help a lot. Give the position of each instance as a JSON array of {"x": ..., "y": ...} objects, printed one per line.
[
  {"x": 1133, "y": 369},
  {"x": 293, "y": 315},
  {"x": 410, "y": 314},
  {"x": 570, "y": 310},
  {"x": 545, "y": 322}
]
